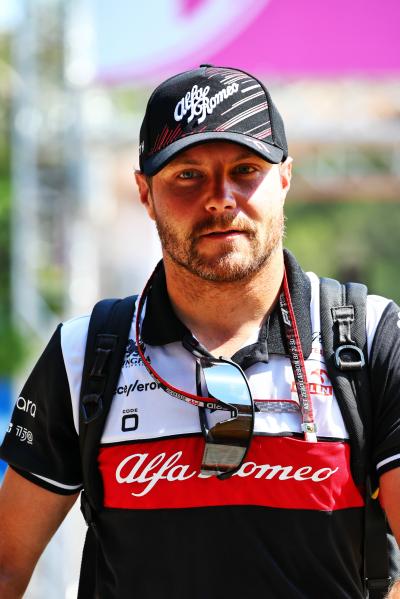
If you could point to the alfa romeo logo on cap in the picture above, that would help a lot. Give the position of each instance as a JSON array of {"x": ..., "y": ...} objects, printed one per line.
[{"x": 198, "y": 102}]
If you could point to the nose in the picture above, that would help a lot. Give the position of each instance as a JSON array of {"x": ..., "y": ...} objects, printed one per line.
[{"x": 221, "y": 195}]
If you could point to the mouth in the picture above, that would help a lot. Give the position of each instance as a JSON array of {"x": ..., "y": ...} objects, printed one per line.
[{"x": 223, "y": 234}]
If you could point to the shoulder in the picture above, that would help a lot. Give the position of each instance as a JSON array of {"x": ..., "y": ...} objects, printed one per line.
[
  {"x": 383, "y": 325},
  {"x": 73, "y": 336},
  {"x": 376, "y": 307}
]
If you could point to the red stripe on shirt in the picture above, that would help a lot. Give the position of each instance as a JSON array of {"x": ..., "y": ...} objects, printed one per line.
[{"x": 278, "y": 472}]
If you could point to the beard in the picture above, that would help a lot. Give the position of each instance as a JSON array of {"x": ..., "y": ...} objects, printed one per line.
[{"x": 231, "y": 261}]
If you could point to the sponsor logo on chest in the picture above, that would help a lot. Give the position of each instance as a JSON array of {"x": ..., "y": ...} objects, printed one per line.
[
  {"x": 132, "y": 356},
  {"x": 278, "y": 472},
  {"x": 138, "y": 387},
  {"x": 318, "y": 382},
  {"x": 141, "y": 468}
]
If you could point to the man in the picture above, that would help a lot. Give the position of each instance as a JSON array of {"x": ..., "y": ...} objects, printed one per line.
[{"x": 236, "y": 495}]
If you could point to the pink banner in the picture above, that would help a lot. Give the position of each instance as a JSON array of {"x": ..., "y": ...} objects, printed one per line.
[
  {"x": 279, "y": 37},
  {"x": 319, "y": 37}
]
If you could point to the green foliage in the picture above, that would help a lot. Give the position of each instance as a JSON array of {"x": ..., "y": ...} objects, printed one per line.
[
  {"x": 128, "y": 100},
  {"x": 350, "y": 241},
  {"x": 11, "y": 342},
  {"x": 4, "y": 238},
  {"x": 12, "y": 348},
  {"x": 51, "y": 280}
]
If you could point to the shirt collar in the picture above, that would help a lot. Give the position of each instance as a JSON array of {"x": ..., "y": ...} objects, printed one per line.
[{"x": 162, "y": 326}]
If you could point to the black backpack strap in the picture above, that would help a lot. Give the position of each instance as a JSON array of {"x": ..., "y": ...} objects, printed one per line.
[
  {"x": 106, "y": 343},
  {"x": 88, "y": 573},
  {"x": 107, "y": 339},
  {"x": 344, "y": 342},
  {"x": 378, "y": 549}
]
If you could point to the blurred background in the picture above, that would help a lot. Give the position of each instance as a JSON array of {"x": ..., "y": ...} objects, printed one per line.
[{"x": 74, "y": 79}]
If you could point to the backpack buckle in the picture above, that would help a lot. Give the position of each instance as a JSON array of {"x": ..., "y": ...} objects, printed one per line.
[
  {"x": 352, "y": 359},
  {"x": 91, "y": 407},
  {"x": 106, "y": 345}
]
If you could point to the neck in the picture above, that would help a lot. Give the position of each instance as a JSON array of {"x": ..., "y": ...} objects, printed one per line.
[{"x": 222, "y": 316}]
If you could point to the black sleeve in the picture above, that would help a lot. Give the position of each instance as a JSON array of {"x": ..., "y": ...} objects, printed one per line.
[
  {"x": 385, "y": 386},
  {"x": 41, "y": 442}
]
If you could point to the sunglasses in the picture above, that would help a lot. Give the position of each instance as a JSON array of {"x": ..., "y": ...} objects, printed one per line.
[
  {"x": 221, "y": 386},
  {"x": 227, "y": 441}
]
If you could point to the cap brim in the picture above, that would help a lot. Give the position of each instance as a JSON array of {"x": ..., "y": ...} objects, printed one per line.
[{"x": 155, "y": 163}]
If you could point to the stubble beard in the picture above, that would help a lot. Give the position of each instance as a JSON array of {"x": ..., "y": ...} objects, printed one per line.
[{"x": 231, "y": 263}]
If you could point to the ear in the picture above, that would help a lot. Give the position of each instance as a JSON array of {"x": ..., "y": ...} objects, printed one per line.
[
  {"x": 145, "y": 194},
  {"x": 285, "y": 171}
]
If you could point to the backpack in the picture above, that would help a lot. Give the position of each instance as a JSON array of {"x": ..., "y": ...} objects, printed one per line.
[{"x": 344, "y": 341}]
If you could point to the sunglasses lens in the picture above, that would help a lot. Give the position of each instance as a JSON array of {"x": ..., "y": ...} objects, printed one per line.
[
  {"x": 225, "y": 382},
  {"x": 227, "y": 441},
  {"x": 221, "y": 459}
]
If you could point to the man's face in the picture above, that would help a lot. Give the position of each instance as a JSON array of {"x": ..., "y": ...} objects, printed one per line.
[{"x": 218, "y": 208}]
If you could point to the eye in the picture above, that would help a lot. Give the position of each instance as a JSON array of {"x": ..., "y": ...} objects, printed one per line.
[
  {"x": 189, "y": 174},
  {"x": 244, "y": 169}
]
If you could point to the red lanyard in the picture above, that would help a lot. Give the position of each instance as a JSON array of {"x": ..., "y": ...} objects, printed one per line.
[
  {"x": 308, "y": 425},
  {"x": 194, "y": 400}
]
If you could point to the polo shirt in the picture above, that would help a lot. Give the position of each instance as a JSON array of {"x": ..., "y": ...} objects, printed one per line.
[{"x": 288, "y": 524}]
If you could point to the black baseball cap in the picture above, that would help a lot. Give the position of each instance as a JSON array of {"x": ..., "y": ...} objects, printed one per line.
[{"x": 210, "y": 104}]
